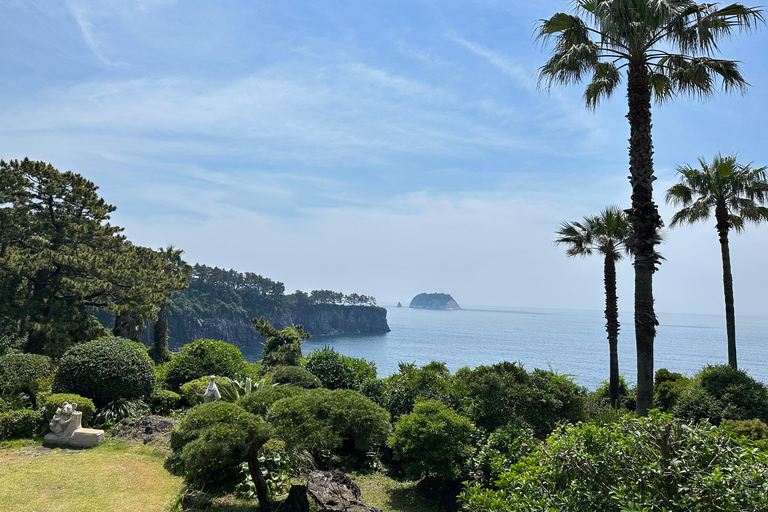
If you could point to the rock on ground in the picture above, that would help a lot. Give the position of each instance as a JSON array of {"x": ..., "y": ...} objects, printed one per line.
[
  {"x": 148, "y": 429},
  {"x": 335, "y": 491}
]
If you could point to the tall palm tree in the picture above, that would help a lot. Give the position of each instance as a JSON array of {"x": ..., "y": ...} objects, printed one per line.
[
  {"x": 159, "y": 351},
  {"x": 607, "y": 234},
  {"x": 664, "y": 47},
  {"x": 734, "y": 193}
]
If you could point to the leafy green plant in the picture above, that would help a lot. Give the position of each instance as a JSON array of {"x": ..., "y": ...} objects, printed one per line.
[
  {"x": 329, "y": 366},
  {"x": 19, "y": 371},
  {"x": 232, "y": 390},
  {"x": 296, "y": 376},
  {"x": 19, "y": 423},
  {"x": 498, "y": 451},
  {"x": 54, "y": 401},
  {"x": 281, "y": 347},
  {"x": 164, "y": 402},
  {"x": 261, "y": 400},
  {"x": 322, "y": 420},
  {"x": 753, "y": 429},
  {"x": 667, "y": 388},
  {"x": 202, "y": 358},
  {"x": 106, "y": 370},
  {"x": 432, "y": 381},
  {"x": 433, "y": 440},
  {"x": 655, "y": 463},
  {"x": 114, "y": 412},
  {"x": 192, "y": 392}
]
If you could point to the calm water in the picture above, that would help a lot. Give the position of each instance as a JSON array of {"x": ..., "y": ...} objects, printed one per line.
[{"x": 568, "y": 341}]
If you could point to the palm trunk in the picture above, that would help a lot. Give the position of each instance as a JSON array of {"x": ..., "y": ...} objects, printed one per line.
[
  {"x": 612, "y": 327},
  {"x": 645, "y": 220},
  {"x": 730, "y": 319}
]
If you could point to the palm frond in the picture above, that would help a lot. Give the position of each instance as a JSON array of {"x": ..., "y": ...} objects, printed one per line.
[{"x": 605, "y": 79}]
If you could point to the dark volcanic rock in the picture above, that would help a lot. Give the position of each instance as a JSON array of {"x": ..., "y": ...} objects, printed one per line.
[
  {"x": 335, "y": 491},
  {"x": 296, "y": 501},
  {"x": 147, "y": 429},
  {"x": 434, "y": 301}
]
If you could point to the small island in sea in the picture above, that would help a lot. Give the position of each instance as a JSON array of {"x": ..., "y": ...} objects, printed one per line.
[{"x": 434, "y": 301}]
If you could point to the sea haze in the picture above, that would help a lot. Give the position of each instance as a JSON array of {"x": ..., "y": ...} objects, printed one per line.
[{"x": 568, "y": 341}]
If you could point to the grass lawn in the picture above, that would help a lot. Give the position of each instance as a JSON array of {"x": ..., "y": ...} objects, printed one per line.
[
  {"x": 110, "y": 477},
  {"x": 392, "y": 495}
]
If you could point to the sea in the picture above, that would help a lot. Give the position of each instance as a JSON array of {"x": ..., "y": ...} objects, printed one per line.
[{"x": 571, "y": 342}]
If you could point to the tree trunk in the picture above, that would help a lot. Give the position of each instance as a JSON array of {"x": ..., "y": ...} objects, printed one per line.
[
  {"x": 159, "y": 351},
  {"x": 645, "y": 221},
  {"x": 129, "y": 327},
  {"x": 721, "y": 214},
  {"x": 262, "y": 491},
  {"x": 612, "y": 327}
]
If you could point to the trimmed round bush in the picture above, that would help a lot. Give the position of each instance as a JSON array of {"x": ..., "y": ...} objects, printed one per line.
[
  {"x": 164, "y": 401},
  {"x": 203, "y": 358},
  {"x": 329, "y": 366},
  {"x": 53, "y": 402},
  {"x": 324, "y": 420},
  {"x": 296, "y": 376},
  {"x": 259, "y": 402},
  {"x": 214, "y": 439},
  {"x": 21, "y": 423},
  {"x": 192, "y": 392},
  {"x": 432, "y": 441},
  {"x": 19, "y": 371},
  {"x": 755, "y": 429},
  {"x": 105, "y": 370}
]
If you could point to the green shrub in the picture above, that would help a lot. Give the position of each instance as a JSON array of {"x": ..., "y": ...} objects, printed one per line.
[
  {"x": 214, "y": 440},
  {"x": 260, "y": 401},
  {"x": 373, "y": 389},
  {"x": 192, "y": 392},
  {"x": 432, "y": 441},
  {"x": 161, "y": 371},
  {"x": 296, "y": 376},
  {"x": 432, "y": 381},
  {"x": 163, "y": 402},
  {"x": 507, "y": 394},
  {"x": 107, "y": 416},
  {"x": 19, "y": 371},
  {"x": 323, "y": 420},
  {"x": 105, "y": 370},
  {"x": 656, "y": 463},
  {"x": 755, "y": 429},
  {"x": 498, "y": 451},
  {"x": 21, "y": 423},
  {"x": 203, "y": 358},
  {"x": 53, "y": 402},
  {"x": 364, "y": 369},
  {"x": 280, "y": 347},
  {"x": 667, "y": 388},
  {"x": 720, "y": 392},
  {"x": 328, "y": 365}
]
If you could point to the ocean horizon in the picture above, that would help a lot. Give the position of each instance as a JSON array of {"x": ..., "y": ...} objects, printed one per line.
[{"x": 572, "y": 342}]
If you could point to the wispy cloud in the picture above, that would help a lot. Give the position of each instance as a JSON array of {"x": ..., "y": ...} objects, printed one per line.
[{"x": 520, "y": 74}]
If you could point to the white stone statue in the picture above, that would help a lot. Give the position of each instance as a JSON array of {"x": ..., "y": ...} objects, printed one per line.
[
  {"x": 66, "y": 428},
  {"x": 212, "y": 392}
]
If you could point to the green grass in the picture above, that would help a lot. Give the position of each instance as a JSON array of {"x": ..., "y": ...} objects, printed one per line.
[
  {"x": 111, "y": 476},
  {"x": 392, "y": 495}
]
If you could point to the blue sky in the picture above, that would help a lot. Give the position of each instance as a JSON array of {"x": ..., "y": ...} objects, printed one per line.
[{"x": 381, "y": 147}]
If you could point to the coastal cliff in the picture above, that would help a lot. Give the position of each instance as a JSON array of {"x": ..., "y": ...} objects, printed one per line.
[{"x": 440, "y": 301}]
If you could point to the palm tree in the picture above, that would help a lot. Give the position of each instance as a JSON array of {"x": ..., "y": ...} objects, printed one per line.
[
  {"x": 664, "y": 47},
  {"x": 735, "y": 194},
  {"x": 159, "y": 351},
  {"x": 608, "y": 234}
]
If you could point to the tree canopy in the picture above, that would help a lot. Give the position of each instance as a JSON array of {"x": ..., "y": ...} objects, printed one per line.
[{"x": 59, "y": 255}]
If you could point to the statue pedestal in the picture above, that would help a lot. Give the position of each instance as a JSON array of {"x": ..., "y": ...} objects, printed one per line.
[{"x": 66, "y": 429}]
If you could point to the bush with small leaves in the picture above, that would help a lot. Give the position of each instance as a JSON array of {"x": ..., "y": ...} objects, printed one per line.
[
  {"x": 19, "y": 371},
  {"x": 192, "y": 392},
  {"x": 53, "y": 402},
  {"x": 260, "y": 401},
  {"x": 329, "y": 366},
  {"x": 432, "y": 381},
  {"x": 755, "y": 429},
  {"x": 21, "y": 423},
  {"x": 296, "y": 376},
  {"x": 164, "y": 402},
  {"x": 324, "y": 420},
  {"x": 202, "y": 358},
  {"x": 667, "y": 388},
  {"x": 432, "y": 441},
  {"x": 105, "y": 370},
  {"x": 498, "y": 451},
  {"x": 721, "y": 392},
  {"x": 655, "y": 463}
]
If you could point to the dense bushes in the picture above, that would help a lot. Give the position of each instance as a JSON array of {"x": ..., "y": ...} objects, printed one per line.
[
  {"x": 328, "y": 365},
  {"x": 506, "y": 394},
  {"x": 53, "y": 402},
  {"x": 192, "y": 392},
  {"x": 498, "y": 451},
  {"x": 296, "y": 376},
  {"x": 105, "y": 370},
  {"x": 656, "y": 463},
  {"x": 214, "y": 439},
  {"x": 203, "y": 358},
  {"x": 721, "y": 392},
  {"x": 433, "y": 440},
  {"x": 323, "y": 420},
  {"x": 19, "y": 371},
  {"x": 19, "y": 423},
  {"x": 260, "y": 401},
  {"x": 399, "y": 392}
]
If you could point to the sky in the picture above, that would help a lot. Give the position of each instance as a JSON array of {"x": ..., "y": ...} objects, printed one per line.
[{"x": 387, "y": 147}]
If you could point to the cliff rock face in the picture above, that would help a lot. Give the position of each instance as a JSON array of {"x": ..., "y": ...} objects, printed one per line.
[
  {"x": 317, "y": 320},
  {"x": 434, "y": 301}
]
